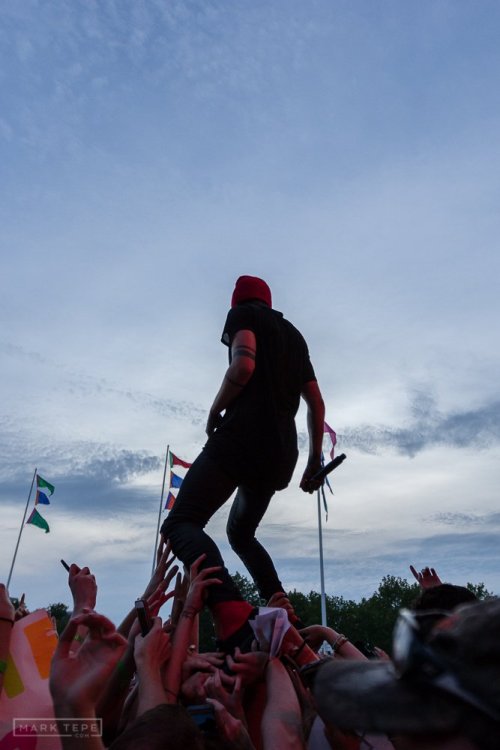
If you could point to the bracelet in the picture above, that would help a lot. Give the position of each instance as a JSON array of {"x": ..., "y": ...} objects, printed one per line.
[
  {"x": 7, "y": 619},
  {"x": 3, "y": 666},
  {"x": 339, "y": 642}
]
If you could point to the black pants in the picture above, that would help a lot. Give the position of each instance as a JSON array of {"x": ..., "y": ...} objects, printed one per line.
[{"x": 204, "y": 490}]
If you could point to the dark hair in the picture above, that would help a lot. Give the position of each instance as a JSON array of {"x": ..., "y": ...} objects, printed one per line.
[
  {"x": 165, "y": 727},
  {"x": 445, "y": 597}
]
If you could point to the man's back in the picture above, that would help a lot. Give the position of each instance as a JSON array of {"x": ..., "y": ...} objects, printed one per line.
[{"x": 259, "y": 425}]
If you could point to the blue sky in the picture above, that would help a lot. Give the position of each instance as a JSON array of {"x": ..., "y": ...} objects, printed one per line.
[{"x": 347, "y": 152}]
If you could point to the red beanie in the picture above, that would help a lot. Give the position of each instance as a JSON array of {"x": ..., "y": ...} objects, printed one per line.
[{"x": 251, "y": 287}]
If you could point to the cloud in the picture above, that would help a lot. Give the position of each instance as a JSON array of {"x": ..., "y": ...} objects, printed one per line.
[
  {"x": 477, "y": 428},
  {"x": 466, "y": 519}
]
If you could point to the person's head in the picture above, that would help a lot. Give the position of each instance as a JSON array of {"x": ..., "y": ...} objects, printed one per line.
[
  {"x": 446, "y": 596},
  {"x": 250, "y": 288},
  {"x": 161, "y": 728},
  {"x": 440, "y": 691}
]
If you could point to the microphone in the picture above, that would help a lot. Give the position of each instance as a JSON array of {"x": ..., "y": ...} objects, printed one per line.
[{"x": 321, "y": 474}]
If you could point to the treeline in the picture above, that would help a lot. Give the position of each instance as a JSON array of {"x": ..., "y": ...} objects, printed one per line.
[{"x": 369, "y": 622}]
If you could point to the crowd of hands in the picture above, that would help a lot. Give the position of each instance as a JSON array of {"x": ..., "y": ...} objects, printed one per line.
[{"x": 117, "y": 674}]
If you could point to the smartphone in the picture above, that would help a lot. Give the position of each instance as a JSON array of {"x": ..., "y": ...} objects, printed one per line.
[
  {"x": 65, "y": 565},
  {"x": 203, "y": 716},
  {"x": 144, "y": 616}
]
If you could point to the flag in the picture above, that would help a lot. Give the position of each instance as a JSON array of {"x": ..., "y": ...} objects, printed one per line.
[
  {"x": 37, "y": 520},
  {"x": 175, "y": 461},
  {"x": 170, "y": 501},
  {"x": 333, "y": 437},
  {"x": 175, "y": 480},
  {"x": 42, "y": 498},
  {"x": 43, "y": 483}
]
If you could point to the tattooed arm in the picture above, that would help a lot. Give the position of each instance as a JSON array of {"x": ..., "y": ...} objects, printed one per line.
[{"x": 239, "y": 372}]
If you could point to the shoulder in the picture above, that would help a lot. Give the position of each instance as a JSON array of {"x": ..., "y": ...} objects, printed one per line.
[{"x": 241, "y": 317}]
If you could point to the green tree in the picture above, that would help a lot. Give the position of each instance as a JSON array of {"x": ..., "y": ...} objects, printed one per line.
[
  {"x": 61, "y": 614},
  {"x": 480, "y": 590}
]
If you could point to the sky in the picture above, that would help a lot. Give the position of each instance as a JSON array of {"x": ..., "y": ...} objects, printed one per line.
[{"x": 348, "y": 152}]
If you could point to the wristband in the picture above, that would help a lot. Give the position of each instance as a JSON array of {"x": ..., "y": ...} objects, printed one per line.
[
  {"x": 189, "y": 612},
  {"x": 3, "y": 666},
  {"x": 7, "y": 619}
]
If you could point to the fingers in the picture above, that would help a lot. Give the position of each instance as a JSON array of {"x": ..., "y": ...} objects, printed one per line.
[
  {"x": 193, "y": 571},
  {"x": 414, "y": 572},
  {"x": 97, "y": 624},
  {"x": 171, "y": 574},
  {"x": 66, "y": 638}
]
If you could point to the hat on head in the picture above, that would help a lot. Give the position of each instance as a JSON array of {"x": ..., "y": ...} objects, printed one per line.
[
  {"x": 251, "y": 287},
  {"x": 454, "y": 683}
]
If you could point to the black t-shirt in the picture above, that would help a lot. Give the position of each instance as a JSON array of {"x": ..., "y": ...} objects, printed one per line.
[{"x": 257, "y": 440}]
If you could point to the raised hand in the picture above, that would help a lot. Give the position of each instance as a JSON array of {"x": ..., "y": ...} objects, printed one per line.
[
  {"x": 83, "y": 588},
  {"x": 250, "y": 666},
  {"x": 164, "y": 573},
  {"x": 231, "y": 699},
  {"x": 199, "y": 581},
  {"x": 427, "y": 578},
  {"x": 151, "y": 651},
  {"x": 280, "y": 599},
  {"x": 206, "y": 662},
  {"x": 77, "y": 680},
  {"x": 7, "y": 611}
]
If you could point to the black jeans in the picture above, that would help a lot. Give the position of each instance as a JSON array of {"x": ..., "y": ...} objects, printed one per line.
[{"x": 204, "y": 490}]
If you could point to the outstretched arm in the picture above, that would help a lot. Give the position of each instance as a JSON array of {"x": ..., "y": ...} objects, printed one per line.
[
  {"x": 239, "y": 372},
  {"x": 316, "y": 427}
]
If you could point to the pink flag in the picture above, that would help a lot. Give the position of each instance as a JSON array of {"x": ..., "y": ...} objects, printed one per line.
[{"x": 333, "y": 437}]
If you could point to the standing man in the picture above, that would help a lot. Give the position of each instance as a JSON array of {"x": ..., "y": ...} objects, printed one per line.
[{"x": 251, "y": 447}]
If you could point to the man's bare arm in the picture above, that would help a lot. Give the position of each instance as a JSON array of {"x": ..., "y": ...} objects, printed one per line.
[
  {"x": 316, "y": 427},
  {"x": 239, "y": 372}
]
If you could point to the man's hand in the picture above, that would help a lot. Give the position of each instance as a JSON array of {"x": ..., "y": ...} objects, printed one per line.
[
  {"x": 427, "y": 578},
  {"x": 307, "y": 483}
]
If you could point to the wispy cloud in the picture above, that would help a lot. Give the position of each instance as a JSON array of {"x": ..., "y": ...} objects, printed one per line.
[{"x": 477, "y": 428}]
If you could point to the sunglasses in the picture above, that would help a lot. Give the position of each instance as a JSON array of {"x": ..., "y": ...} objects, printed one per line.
[{"x": 413, "y": 658}]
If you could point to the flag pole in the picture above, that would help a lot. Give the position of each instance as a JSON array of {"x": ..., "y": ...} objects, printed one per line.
[
  {"x": 21, "y": 529},
  {"x": 321, "y": 565},
  {"x": 160, "y": 509}
]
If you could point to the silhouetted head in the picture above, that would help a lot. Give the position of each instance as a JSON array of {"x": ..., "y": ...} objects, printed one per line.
[{"x": 249, "y": 288}]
